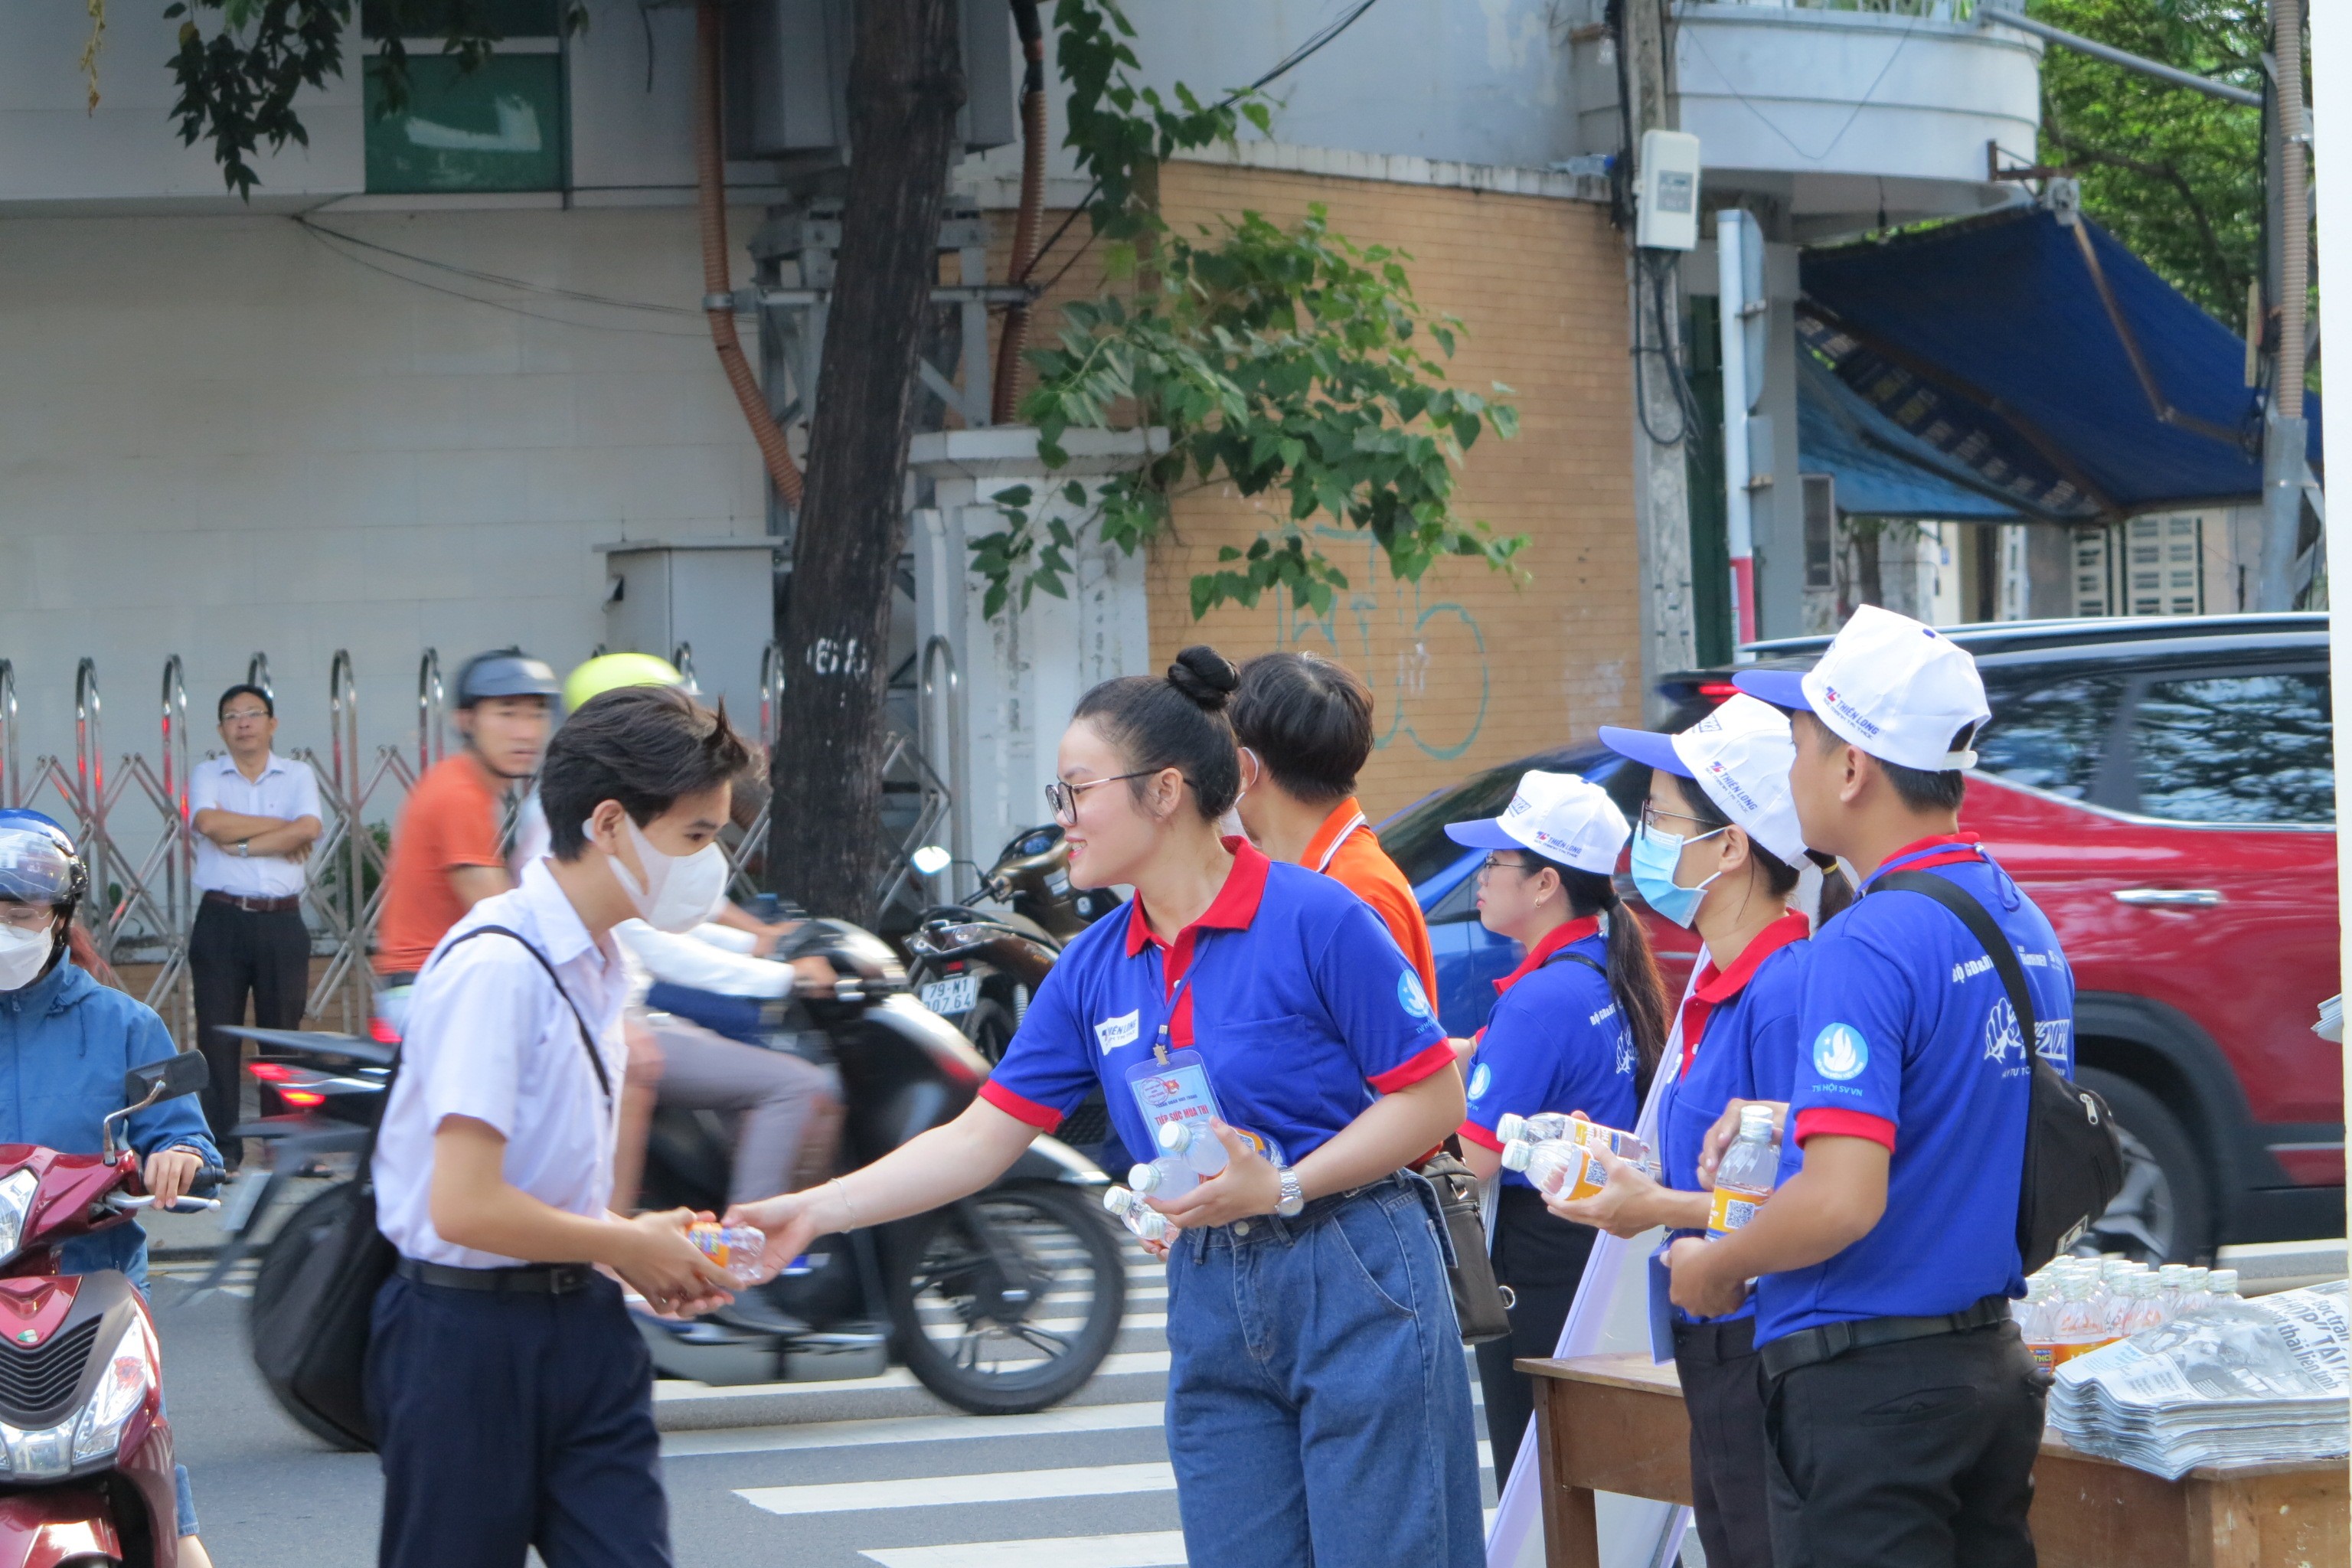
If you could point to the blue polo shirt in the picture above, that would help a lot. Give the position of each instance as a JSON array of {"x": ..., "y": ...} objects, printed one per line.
[
  {"x": 1289, "y": 988},
  {"x": 1738, "y": 1042},
  {"x": 1905, "y": 1038},
  {"x": 1555, "y": 1041}
]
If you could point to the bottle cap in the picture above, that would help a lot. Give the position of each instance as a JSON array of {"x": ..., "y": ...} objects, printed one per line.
[
  {"x": 1754, "y": 1118},
  {"x": 1175, "y": 1136},
  {"x": 2223, "y": 1281},
  {"x": 1119, "y": 1200},
  {"x": 1145, "y": 1178},
  {"x": 1511, "y": 1127},
  {"x": 1515, "y": 1152}
]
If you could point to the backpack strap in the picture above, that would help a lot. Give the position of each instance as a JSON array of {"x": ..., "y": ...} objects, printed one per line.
[
  {"x": 1965, "y": 907},
  {"x": 587, "y": 1042},
  {"x": 1564, "y": 956}
]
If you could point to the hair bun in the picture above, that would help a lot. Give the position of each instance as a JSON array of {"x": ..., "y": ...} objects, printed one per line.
[{"x": 1205, "y": 676}]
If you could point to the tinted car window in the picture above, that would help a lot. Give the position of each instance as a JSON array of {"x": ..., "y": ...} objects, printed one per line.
[
  {"x": 2246, "y": 747},
  {"x": 2048, "y": 734}
]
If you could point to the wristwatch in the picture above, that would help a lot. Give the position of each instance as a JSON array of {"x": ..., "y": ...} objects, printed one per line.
[
  {"x": 1294, "y": 1196},
  {"x": 245, "y": 849}
]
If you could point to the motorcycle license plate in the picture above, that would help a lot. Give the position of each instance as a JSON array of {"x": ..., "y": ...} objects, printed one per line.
[
  {"x": 238, "y": 1202},
  {"x": 950, "y": 996}
]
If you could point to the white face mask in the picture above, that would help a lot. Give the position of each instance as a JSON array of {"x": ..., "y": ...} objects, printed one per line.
[
  {"x": 679, "y": 890},
  {"x": 22, "y": 956}
]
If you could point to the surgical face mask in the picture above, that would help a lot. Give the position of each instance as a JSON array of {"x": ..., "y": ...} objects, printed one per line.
[
  {"x": 679, "y": 890},
  {"x": 22, "y": 956},
  {"x": 1656, "y": 857}
]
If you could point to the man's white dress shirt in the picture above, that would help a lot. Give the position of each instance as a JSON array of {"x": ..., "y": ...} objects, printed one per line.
[
  {"x": 488, "y": 1038},
  {"x": 285, "y": 789}
]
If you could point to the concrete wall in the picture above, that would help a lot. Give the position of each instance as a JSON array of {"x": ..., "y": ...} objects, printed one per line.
[{"x": 224, "y": 434}]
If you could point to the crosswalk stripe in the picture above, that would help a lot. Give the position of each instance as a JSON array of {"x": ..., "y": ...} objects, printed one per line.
[
  {"x": 1153, "y": 1549},
  {"x": 936, "y": 1491},
  {"x": 911, "y": 1429}
]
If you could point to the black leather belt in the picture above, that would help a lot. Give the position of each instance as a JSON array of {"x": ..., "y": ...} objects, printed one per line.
[
  {"x": 254, "y": 906},
  {"x": 1808, "y": 1346},
  {"x": 533, "y": 1279}
]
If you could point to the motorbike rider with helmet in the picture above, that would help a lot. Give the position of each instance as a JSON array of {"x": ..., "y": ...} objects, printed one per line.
[
  {"x": 445, "y": 853},
  {"x": 65, "y": 1041}
]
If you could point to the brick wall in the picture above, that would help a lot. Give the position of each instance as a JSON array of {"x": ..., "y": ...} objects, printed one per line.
[{"x": 1469, "y": 669}]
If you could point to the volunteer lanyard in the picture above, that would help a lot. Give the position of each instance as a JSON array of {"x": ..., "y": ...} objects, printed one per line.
[{"x": 1353, "y": 823}]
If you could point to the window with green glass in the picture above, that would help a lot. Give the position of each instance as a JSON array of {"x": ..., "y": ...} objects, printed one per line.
[{"x": 500, "y": 127}]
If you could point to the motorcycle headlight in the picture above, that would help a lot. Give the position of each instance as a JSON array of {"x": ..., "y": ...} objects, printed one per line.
[
  {"x": 16, "y": 1202},
  {"x": 122, "y": 1383}
]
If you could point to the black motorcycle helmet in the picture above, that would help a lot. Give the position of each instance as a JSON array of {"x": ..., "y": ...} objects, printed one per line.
[{"x": 505, "y": 672}]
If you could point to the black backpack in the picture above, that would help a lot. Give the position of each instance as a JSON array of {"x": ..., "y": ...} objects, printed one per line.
[{"x": 2073, "y": 1161}]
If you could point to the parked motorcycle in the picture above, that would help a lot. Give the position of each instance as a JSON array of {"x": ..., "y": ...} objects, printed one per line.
[
  {"x": 87, "y": 1478},
  {"x": 980, "y": 967},
  {"x": 1005, "y": 1301}
]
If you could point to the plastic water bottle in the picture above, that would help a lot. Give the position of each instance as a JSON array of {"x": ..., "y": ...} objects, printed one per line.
[
  {"x": 2221, "y": 1285},
  {"x": 1147, "y": 1222},
  {"x": 1512, "y": 1128},
  {"x": 1169, "y": 1176},
  {"x": 1191, "y": 1141},
  {"x": 1545, "y": 1164},
  {"x": 2037, "y": 1319},
  {"x": 2142, "y": 1309},
  {"x": 734, "y": 1247},
  {"x": 1744, "y": 1181},
  {"x": 2082, "y": 1325}
]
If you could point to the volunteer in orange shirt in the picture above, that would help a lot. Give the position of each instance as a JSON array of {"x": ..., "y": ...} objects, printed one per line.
[
  {"x": 1305, "y": 725},
  {"x": 446, "y": 854}
]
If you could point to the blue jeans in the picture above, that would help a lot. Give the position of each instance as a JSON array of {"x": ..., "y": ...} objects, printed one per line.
[{"x": 1318, "y": 1410}]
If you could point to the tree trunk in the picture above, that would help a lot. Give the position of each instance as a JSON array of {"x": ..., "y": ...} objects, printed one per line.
[{"x": 906, "y": 84}]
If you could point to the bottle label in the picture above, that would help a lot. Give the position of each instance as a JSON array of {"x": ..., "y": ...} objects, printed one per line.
[
  {"x": 2045, "y": 1356},
  {"x": 1732, "y": 1209},
  {"x": 2065, "y": 1351}
]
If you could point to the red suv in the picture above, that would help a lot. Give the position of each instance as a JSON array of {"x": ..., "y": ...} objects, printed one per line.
[{"x": 2165, "y": 791}]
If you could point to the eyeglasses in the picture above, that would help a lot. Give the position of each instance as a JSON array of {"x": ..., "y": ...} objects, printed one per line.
[
  {"x": 1651, "y": 816},
  {"x": 243, "y": 714},
  {"x": 26, "y": 917},
  {"x": 1064, "y": 798},
  {"x": 1491, "y": 864}
]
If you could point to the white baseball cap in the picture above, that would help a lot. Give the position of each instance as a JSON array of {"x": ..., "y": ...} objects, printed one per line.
[
  {"x": 1739, "y": 754},
  {"x": 1562, "y": 816},
  {"x": 1889, "y": 685}
]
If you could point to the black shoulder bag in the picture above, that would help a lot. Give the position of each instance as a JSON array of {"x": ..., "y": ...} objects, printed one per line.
[
  {"x": 2073, "y": 1161},
  {"x": 311, "y": 1332}
]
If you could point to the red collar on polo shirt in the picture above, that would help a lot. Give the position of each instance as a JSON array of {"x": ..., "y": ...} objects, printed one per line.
[
  {"x": 1559, "y": 936},
  {"x": 1716, "y": 987},
  {"x": 1942, "y": 849},
  {"x": 1234, "y": 908}
]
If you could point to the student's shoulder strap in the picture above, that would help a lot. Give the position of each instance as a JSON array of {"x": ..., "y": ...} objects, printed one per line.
[
  {"x": 1564, "y": 956},
  {"x": 587, "y": 1041},
  {"x": 1973, "y": 914}
]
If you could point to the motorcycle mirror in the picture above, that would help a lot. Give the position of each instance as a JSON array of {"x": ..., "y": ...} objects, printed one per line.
[
  {"x": 184, "y": 1072},
  {"x": 930, "y": 859}
]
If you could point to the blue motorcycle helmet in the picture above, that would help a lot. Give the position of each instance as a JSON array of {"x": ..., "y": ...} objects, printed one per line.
[{"x": 40, "y": 869}]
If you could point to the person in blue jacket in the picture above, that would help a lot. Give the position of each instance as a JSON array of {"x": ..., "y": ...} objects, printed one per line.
[
  {"x": 65, "y": 1043},
  {"x": 1577, "y": 1028},
  {"x": 1718, "y": 850}
]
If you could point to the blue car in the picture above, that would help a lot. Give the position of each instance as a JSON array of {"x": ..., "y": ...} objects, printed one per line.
[{"x": 1444, "y": 878}]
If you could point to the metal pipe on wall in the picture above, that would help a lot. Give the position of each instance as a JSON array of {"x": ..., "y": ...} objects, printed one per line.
[{"x": 2286, "y": 434}]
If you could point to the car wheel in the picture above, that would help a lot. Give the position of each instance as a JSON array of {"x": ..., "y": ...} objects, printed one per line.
[{"x": 2165, "y": 1211}]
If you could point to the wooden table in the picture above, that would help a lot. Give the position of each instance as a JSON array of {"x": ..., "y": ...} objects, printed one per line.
[{"x": 1616, "y": 1424}]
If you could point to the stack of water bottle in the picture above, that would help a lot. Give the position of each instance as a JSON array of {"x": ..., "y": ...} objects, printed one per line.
[
  {"x": 1559, "y": 1156},
  {"x": 2169, "y": 1369},
  {"x": 1189, "y": 1154}
]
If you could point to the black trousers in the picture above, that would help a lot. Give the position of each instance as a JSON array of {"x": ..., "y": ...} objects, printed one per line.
[
  {"x": 1914, "y": 1454},
  {"x": 234, "y": 953},
  {"x": 1723, "y": 1389},
  {"x": 1541, "y": 1258},
  {"x": 507, "y": 1421}
]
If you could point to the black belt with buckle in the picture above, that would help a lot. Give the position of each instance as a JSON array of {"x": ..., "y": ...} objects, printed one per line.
[
  {"x": 1829, "y": 1341},
  {"x": 530, "y": 1280},
  {"x": 254, "y": 906}
]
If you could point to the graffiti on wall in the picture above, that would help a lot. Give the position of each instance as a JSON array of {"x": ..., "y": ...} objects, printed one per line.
[{"x": 1432, "y": 652}]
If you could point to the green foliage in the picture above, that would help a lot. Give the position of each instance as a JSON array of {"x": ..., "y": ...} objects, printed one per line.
[
  {"x": 1281, "y": 362},
  {"x": 237, "y": 86},
  {"x": 2173, "y": 174}
]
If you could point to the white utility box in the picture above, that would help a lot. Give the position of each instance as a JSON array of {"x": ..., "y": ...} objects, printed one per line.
[
  {"x": 1667, "y": 208},
  {"x": 713, "y": 596}
]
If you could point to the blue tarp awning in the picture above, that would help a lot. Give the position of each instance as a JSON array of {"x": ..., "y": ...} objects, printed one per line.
[
  {"x": 1882, "y": 469},
  {"x": 2044, "y": 359}
]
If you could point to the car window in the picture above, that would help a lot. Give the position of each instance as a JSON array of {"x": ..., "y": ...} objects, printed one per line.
[
  {"x": 2249, "y": 746},
  {"x": 2048, "y": 734}
]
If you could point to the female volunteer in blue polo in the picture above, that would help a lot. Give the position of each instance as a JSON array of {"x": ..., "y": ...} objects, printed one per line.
[
  {"x": 1317, "y": 1410},
  {"x": 1578, "y": 1029},
  {"x": 1718, "y": 850}
]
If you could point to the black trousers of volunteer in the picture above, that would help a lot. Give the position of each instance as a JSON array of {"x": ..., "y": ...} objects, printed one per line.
[
  {"x": 234, "y": 953},
  {"x": 1913, "y": 1454},
  {"x": 1540, "y": 1257},
  {"x": 508, "y": 1421},
  {"x": 1723, "y": 1389}
]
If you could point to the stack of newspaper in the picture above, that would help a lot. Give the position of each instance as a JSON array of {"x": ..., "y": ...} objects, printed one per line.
[{"x": 2241, "y": 1383}]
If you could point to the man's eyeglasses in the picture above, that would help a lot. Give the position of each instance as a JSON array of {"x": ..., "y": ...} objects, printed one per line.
[
  {"x": 1064, "y": 798},
  {"x": 242, "y": 714}
]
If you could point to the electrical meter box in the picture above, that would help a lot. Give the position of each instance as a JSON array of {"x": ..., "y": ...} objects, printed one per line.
[
  {"x": 1667, "y": 201},
  {"x": 788, "y": 79},
  {"x": 715, "y": 598}
]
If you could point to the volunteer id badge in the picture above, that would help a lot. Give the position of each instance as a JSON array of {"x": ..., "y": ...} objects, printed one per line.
[{"x": 1173, "y": 1086}]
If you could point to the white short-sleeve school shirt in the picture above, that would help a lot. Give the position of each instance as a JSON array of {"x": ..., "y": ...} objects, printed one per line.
[
  {"x": 488, "y": 1038},
  {"x": 285, "y": 789}
]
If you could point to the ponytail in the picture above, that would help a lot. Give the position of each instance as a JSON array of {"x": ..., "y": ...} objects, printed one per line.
[
  {"x": 1837, "y": 893},
  {"x": 1634, "y": 979}
]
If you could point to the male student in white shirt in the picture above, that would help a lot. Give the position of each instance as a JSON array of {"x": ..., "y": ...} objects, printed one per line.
[{"x": 513, "y": 1399}]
